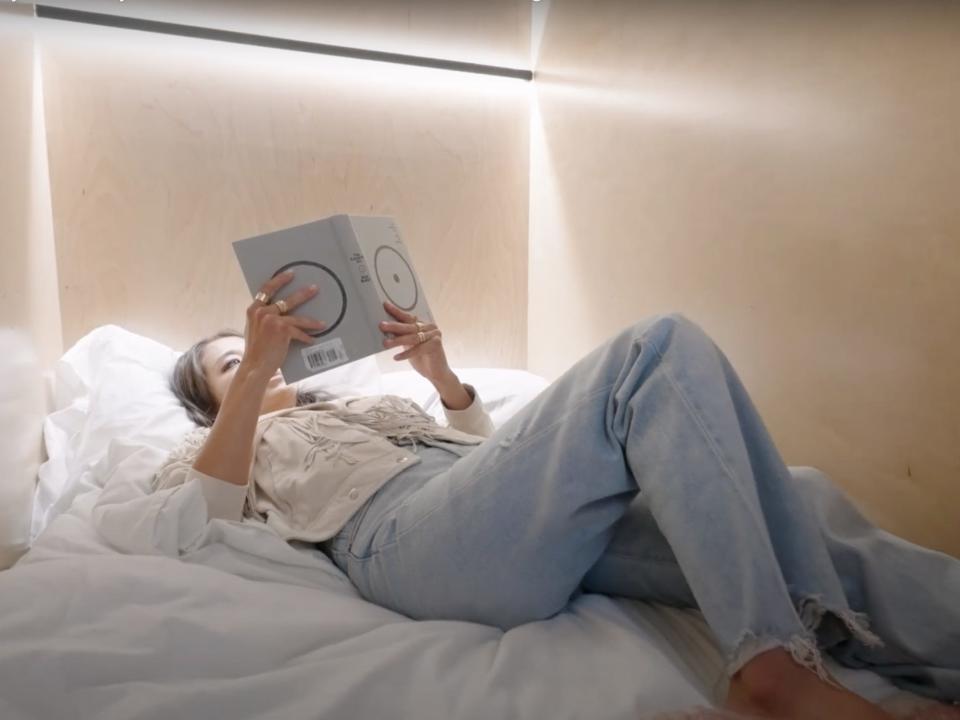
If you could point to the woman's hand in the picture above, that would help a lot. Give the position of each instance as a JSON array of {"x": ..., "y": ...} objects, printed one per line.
[
  {"x": 428, "y": 357},
  {"x": 268, "y": 333},
  {"x": 228, "y": 452}
]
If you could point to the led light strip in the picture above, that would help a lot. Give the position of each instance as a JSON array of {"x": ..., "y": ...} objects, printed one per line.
[{"x": 193, "y": 31}]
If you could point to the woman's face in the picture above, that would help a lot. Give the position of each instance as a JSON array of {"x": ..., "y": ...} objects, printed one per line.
[{"x": 220, "y": 360}]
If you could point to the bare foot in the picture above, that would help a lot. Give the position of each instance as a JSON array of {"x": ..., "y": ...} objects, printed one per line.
[
  {"x": 772, "y": 685},
  {"x": 937, "y": 711}
]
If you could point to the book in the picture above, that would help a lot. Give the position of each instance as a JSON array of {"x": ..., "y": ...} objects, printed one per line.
[{"x": 357, "y": 263}]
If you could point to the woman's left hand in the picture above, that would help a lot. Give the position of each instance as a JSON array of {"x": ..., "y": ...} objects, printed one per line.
[{"x": 427, "y": 357}]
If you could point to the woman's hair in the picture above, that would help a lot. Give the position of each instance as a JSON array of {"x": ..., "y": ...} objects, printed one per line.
[{"x": 189, "y": 383}]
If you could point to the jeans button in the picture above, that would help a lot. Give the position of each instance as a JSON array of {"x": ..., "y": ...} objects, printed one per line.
[{"x": 353, "y": 494}]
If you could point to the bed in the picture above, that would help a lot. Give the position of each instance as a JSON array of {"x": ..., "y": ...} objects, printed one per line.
[{"x": 248, "y": 626}]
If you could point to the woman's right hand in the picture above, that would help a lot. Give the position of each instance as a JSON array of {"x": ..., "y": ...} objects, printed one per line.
[{"x": 268, "y": 334}]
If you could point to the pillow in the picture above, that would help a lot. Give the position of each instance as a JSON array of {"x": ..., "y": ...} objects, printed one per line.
[
  {"x": 112, "y": 386},
  {"x": 360, "y": 377},
  {"x": 22, "y": 405}
]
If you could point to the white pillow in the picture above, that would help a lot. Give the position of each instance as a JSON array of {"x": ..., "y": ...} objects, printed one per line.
[
  {"x": 112, "y": 387},
  {"x": 360, "y": 377},
  {"x": 22, "y": 404}
]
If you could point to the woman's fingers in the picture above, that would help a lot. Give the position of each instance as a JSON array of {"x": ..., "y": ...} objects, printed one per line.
[
  {"x": 405, "y": 328},
  {"x": 296, "y": 322},
  {"x": 271, "y": 286},
  {"x": 418, "y": 348},
  {"x": 275, "y": 283},
  {"x": 407, "y": 332},
  {"x": 300, "y": 297},
  {"x": 302, "y": 321},
  {"x": 410, "y": 335},
  {"x": 413, "y": 340},
  {"x": 398, "y": 313},
  {"x": 301, "y": 336}
]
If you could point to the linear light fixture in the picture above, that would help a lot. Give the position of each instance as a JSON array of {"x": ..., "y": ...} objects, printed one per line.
[{"x": 194, "y": 31}]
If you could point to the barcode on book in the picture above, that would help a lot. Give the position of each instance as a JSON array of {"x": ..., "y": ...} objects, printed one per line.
[{"x": 324, "y": 355}]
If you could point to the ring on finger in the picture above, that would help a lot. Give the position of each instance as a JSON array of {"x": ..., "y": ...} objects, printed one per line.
[
  {"x": 262, "y": 297},
  {"x": 282, "y": 306},
  {"x": 421, "y": 338}
]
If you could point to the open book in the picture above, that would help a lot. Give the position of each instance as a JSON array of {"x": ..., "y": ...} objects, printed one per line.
[{"x": 357, "y": 263}]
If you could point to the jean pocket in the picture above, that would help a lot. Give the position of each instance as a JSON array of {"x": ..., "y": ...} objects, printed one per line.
[{"x": 350, "y": 546}]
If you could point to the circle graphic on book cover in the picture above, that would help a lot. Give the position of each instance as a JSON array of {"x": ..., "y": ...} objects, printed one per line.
[
  {"x": 330, "y": 302},
  {"x": 396, "y": 278}
]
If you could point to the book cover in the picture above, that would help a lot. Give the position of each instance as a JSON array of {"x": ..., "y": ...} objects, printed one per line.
[{"x": 357, "y": 262}]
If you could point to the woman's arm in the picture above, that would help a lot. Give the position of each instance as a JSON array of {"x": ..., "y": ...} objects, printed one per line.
[
  {"x": 227, "y": 453},
  {"x": 427, "y": 356},
  {"x": 468, "y": 416},
  {"x": 171, "y": 519},
  {"x": 453, "y": 393}
]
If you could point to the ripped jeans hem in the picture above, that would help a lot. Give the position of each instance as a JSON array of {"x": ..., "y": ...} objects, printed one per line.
[{"x": 803, "y": 646}]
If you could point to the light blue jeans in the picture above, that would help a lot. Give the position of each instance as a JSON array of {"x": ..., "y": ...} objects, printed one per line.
[{"x": 645, "y": 471}]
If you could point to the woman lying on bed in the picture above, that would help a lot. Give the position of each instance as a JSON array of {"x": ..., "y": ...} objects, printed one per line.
[{"x": 644, "y": 471}]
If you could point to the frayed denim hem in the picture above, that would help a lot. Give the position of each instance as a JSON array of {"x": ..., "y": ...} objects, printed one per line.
[
  {"x": 803, "y": 646},
  {"x": 812, "y": 611}
]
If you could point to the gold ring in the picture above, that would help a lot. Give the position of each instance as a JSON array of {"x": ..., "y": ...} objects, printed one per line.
[
  {"x": 282, "y": 307},
  {"x": 262, "y": 297},
  {"x": 421, "y": 338}
]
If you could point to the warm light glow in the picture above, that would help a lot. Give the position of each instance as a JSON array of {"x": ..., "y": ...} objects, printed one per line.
[{"x": 774, "y": 111}]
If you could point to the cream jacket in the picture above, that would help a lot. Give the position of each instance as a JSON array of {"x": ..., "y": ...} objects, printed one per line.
[{"x": 315, "y": 465}]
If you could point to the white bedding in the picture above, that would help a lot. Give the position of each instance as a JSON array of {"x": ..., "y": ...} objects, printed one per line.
[
  {"x": 244, "y": 625},
  {"x": 248, "y": 626}
]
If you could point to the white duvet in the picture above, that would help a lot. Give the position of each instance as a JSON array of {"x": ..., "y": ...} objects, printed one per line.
[{"x": 244, "y": 625}]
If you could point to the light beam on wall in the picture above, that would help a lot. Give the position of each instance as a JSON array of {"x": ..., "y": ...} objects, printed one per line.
[{"x": 206, "y": 33}]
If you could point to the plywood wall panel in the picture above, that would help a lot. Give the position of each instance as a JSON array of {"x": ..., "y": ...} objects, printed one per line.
[
  {"x": 28, "y": 280},
  {"x": 164, "y": 150},
  {"x": 16, "y": 76},
  {"x": 786, "y": 175}
]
